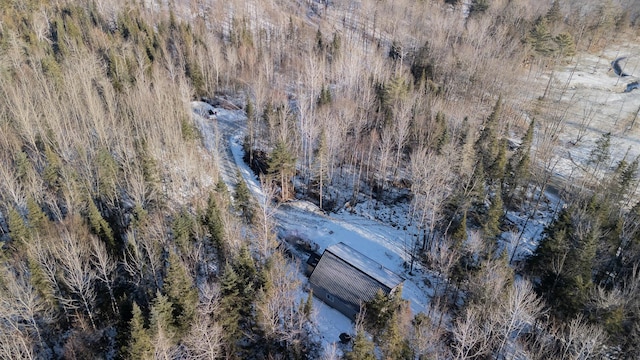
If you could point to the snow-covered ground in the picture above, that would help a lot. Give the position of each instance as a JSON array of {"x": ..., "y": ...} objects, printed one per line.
[
  {"x": 592, "y": 102},
  {"x": 588, "y": 100},
  {"x": 379, "y": 241}
]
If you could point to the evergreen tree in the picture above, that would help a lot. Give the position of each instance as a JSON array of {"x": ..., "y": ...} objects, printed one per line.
[
  {"x": 52, "y": 173},
  {"x": 540, "y": 38},
  {"x": 243, "y": 198},
  {"x": 459, "y": 235},
  {"x": 38, "y": 220},
  {"x": 245, "y": 268},
  {"x": 478, "y": 191},
  {"x": 493, "y": 219},
  {"x": 282, "y": 165},
  {"x": 213, "y": 221},
  {"x": 107, "y": 174},
  {"x": 517, "y": 171},
  {"x": 320, "y": 46},
  {"x": 443, "y": 137},
  {"x": 497, "y": 169},
  {"x": 395, "y": 51},
  {"x": 554, "y": 15},
  {"x": 194, "y": 73},
  {"x": 363, "y": 348},
  {"x": 100, "y": 226},
  {"x": 487, "y": 144},
  {"x": 325, "y": 96},
  {"x": 18, "y": 230},
  {"x": 221, "y": 188},
  {"x": 336, "y": 46},
  {"x": 565, "y": 43},
  {"x": 393, "y": 342},
  {"x": 307, "y": 307},
  {"x": 139, "y": 340},
  {"x": 162, "y": 320},
  {"x": 182, "y": 227},
  {"x": 181, "y": 293},
  {"x": 230, "y": 306},
  {"x": 478, "y": 7},
  {"x": 41, "y": 283},
  {"x": 564, "y": 261},
  {"x": 381, "y": 309},
  {"x": 601, "y": 154}
]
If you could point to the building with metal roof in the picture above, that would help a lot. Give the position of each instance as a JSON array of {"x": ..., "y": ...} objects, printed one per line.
[{"x": 344, "y": 279}]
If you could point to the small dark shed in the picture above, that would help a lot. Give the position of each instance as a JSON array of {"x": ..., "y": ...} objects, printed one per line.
[{"x": 344, "y": 278}]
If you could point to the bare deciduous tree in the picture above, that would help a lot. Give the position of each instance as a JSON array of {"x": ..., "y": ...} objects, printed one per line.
[{"x": 471, "y": 334}]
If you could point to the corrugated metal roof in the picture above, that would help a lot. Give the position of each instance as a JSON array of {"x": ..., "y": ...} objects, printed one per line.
[
  {"x": 347, "y": 285},
  {"x": 366, "y": 265}
]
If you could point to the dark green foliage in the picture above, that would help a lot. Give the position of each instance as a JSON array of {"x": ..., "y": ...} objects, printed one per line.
[
  {"x": 491, "y": 225},
  {"x": 41, "y": 283},
  {"x": 230, "y": 306},
  {"x": 320, "y": 45},
  {"x": 162, "y": 320},
  {"x": 601, "y": 154},
  {"x": 565, "y": 43},
  {"x": 487, "y": 146},
  {"x": 38, "y": 220},
  {"x": 380, "y": 311},
  {"x": 517, "y": 172},
  {"x": 459, "y": 234},
  {"x": 139, "y": 346},
  {"x": 18, "y": 230},
  {"x": 554, "y": 16},
  {"x": 623, "y": 182},
  {"x": 58, "y": 38},
  {"x": 181, "y": 292},
  {"x": 440, "y": 132},
  {"x": 188, "y": 130},
  {"x": 213, "y": 221},
  {"x": 100, "y": 226},
  {"x": 541, "y": 39},
  {"x": 194, "y": 73},
  {"x": 478, "y": 6},
  {"x": 51, "y": 68},
  {"x": 240, "y": 35},
  {"x": 23, "y": 167},
  {"x": 118, "y": 71},
  {"x": 250, "y": 110},
  {"x": 107, "y": 175},
  {"x": 393, "y": 340},
  {"x": 221, "y": 188},
  {"x": 53, "y": 170},
  {"x": 478, "y": 189},
  {"x": 183, "y": 230},
  {"x": 282, "y": 166},
  {"x": 363, "y": 348},
  {"x": 564, "y": 261},
  {"x": 496, "y": 171},
  {"x": 245, "y": 267},
  {"x": 307, "y": 306},
  {"x": 243, "y": 198},
  {"x": 395, "y": 51},
  {"x": 325, "y": 96},
  {"x": 422, "y": 66},
  {"x": 336, "y": 45}
]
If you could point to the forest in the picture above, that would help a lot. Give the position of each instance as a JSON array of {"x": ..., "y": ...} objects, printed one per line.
[{"x": 119, "y": 238}]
